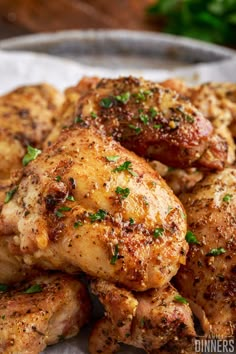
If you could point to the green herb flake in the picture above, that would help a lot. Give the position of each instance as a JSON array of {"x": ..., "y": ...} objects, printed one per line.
[
  {"x": 131, "y": 221},
  {"x": 78, "y": 224},
  {"x": 100, "y": 215},
  {"x": 59, "y": 214},
  {"x": 157, "y": 126},
  {"x": 58, "y": 178},
  {"x": 153, "y": 112},
  {"x": 216, "y": 251},
  {"x": 106, "y": 102},
  {"x": 123, "y": 192},
  {"x": 78, "y": 120},
  {"x": 3, "y": 317},
  {"x": 136, "y": 129},
  {"x": 64, "y": 208},
  {"x": 158, "y": 232},
  {"x": 115, "y": 256},
  {"x": 112, "y": 158},
  {"x": 3, "y": 287},
  {"x": 37, "y": 288},
  {"x": 93, "y": 115},
  {"x": 31, "y": 155},
  {"x": 126, "y": 166},
  {"x": 123, "y": 98},
  {"x": 189, "y": 119},
  {"x": 180, "y": 299},
  {"x": 144, "y": 118},
  {"x": 71, "y": 198},
  {"x": 10, "y": 194},
  {"x": 227, "y": 198},
  {"x": 191, "y": 238}
]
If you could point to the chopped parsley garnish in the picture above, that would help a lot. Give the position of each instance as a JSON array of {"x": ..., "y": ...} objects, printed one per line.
[
  {"x": 227, "y": 198},
  {"x": 3, "y": 317},
  {"x": 72, "y": 182},
  {"x": 31, "y": 155},
  {"x": 10, "y": 194},
  {"x": 136, "y": 129},
  {"x": 58, "y": 178},
  {"x": 64, "y": 208},
  {"x": 153, "y": 112},
  {"x": 3, "y": 287},
  {"x": 191, "y": 238},
  {"x": 93, "y": 115},
  {"x": 181, "y": 299},
  {"x": 123, "y": 97},
  {"x": 37, "y": 288},
  {"x": 77, "y": 224},
  {"x": 126, "y": 166},
  {"x": 123, "y": 192},
  {"x": 115, "y": 256},
  {"x": 216, "y": 251},
  {"x": 144, "y": 118},
  {"x": 189, "y": 119},
  {"x": 113, "y": 158},
  {"x": 157, "y": 126},
  {"x": 106, "y": 102},
  {"x": 78, "y": 120},
  {"x": 99, "y": 215},
  {"x": 131, "y": 221},
  {"x": 158, "y": 232},
  {"x": 71, "y": 198},
  {"x": 59, "y": 214},
  {"x": 142, "y": 95}
]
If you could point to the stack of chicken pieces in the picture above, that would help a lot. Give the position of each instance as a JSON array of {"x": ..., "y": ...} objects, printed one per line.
[{"x": 88, "y": 189}]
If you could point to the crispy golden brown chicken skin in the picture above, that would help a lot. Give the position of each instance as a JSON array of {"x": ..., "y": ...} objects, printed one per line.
[
  {"x": 209, "y": 277},
  {"x": 146, "y": 320},
  {"x": 27, "y": 115},
  {"x": 88, "y": 203},
  {"x": 150, "y": 120},
  {"x": 41, "y": 312}
]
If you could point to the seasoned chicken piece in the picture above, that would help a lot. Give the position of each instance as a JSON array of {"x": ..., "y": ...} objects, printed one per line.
[
  {"x": 152, "y": 121},
  {"x": 41, "y": 312},
  {"x": 27, "y": 115},
  {"x": 88, "y": 203},
  {"x": 209, "y": 277},
  {"x": 146, "y": 320}
]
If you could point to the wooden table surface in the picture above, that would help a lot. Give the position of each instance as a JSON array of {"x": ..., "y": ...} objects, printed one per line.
[{"x": 18, "y": 17}]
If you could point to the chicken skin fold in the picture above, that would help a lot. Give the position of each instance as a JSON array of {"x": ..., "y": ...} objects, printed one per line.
[
  {"x": 148, "y": 119},
  {"x": 148, "y": 320},
  {"x": 209, "y": 277},
  {"x": 41, "y": 312},
  {"x": 87, "y": 203}
]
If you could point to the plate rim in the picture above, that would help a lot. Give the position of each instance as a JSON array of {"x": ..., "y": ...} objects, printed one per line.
[{"x": 34, "y": 40}]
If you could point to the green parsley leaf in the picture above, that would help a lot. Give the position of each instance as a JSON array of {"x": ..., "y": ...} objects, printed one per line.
[
  {"x": 123, "y": 192},
  {"x": 59, "y": 214},
  {"x": 64, "y": 208},
  {"x": 153, "y": 112},
  {"x": 78, "y": 120},
  {"x": 58, "y": 178},
  {"x": 10, "y": 194},
  {"x": 71, "y": 198},
  {"x": 3, "y": 317},
  {"x": 123, "y": 98},
  {"x": 106, "y": 102},
  {"x": 77, "y": 224},
  {"x": 115, "y": 256},
  {"x": 100, "y": 215},
  {"x": 126, "y": 166},
  {"x": 131, "y": 221},
  {"x": 191, "y": 238},
  {"x": 93, "y": 115},
  {"x": 157, "y": 126},
  {"x": 144, "y": 118},
  {"x": 227, "y": 198},
  {"x": 181, "y": 299},
  {"x": 37, "y": 288},
  {"x": 3, "y": 287},
  {"x": 136, "y": 129},
  {"x": 189, "y": 119},
  {"x": 31, "y": 155},
  {"x": 216, "y": 251},
  {"x": 113, "y": 158},
  {"x": 158, "y": 232}
]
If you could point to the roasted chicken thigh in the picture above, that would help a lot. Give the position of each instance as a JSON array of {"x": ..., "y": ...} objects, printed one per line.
[{"x": 87, "y": 203}]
